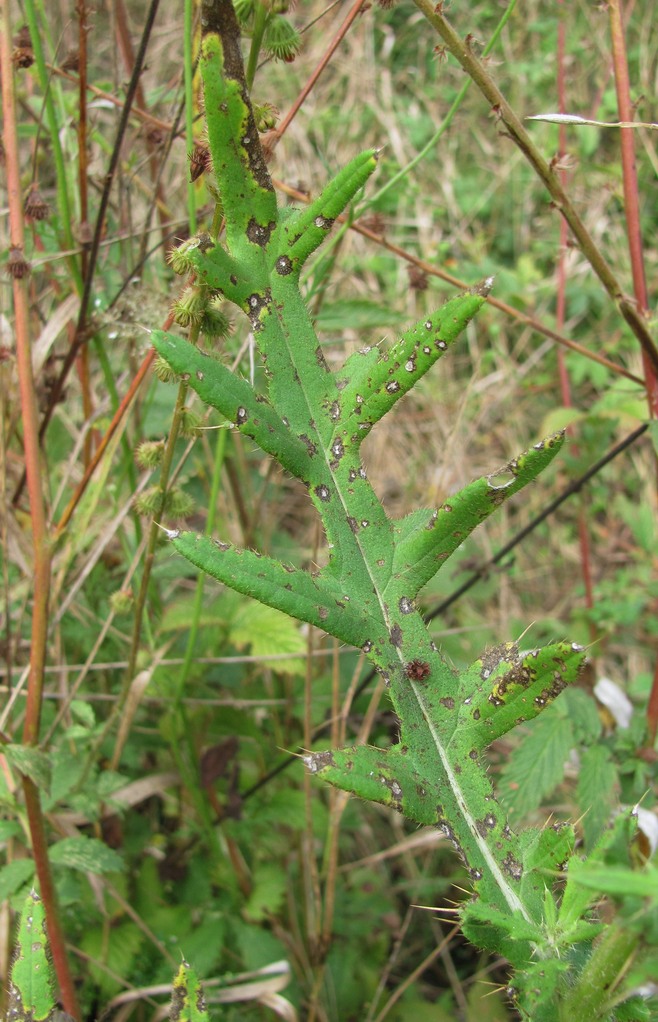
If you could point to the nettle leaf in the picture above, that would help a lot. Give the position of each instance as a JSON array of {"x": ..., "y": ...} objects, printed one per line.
[
  {"x": 30, "y": 989},
  {"x": 30, "y": 762},
  {"x": 581, "y": 708},
  {"x": 68, "y": 768},
  {"x": 536, "y": 767},
  {"x": 14, "y": 876},
  {"x": 119, "y": 957},
  {"x": 269, "y": 886},
  {"x": 267, "y": 632},
  {"x": 596, "y": 791},
  {"x": 84, "y": 853}
]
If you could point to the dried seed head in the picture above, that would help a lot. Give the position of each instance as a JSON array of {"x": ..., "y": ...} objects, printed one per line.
[
  {"x": 23, "y": 57},
  {"x": 17, "y": 265},
  {"x": 200, "y": 160},
  {"x": 375, "y": 223},
  {"x": 71, "y": 61},
  {"x": 418, "y": 279},
  {"x": 35, "y": 205},
  {"x": 23, "y": 38}
]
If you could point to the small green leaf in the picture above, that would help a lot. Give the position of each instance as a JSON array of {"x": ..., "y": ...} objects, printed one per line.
[
  {"x": 620, "y": 882},
  {"x": 87, "y": 854}
]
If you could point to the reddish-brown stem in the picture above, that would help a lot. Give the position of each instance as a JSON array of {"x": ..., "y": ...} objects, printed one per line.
[
  {"x": 40, "y": 539},
  {"x": 49, "y": 898},
  {"x": 632, "y": 212}
]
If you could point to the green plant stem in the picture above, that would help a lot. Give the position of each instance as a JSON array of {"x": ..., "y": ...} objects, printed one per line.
[
  {"x": 40, "y": 538},
  {"x": 461, "y": 50},
  {"x": 589, "y": 999},
  {"x": 260, "y": 23}
]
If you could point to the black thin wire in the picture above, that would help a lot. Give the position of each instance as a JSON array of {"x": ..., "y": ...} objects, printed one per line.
[{"x": 475, "y": 577}]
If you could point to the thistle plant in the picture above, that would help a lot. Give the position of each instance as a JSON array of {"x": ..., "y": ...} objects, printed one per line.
[{"x": 313, "y": 420}]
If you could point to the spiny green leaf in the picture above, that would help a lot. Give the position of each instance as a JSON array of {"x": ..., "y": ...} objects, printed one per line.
[
  {"x": 236, "y": 399},
  {"x": 188, "y": 1003},
  {"x": 233, "y": 137},
  {"x": 318, "y": 601},
  {"x": 378, "y": 775},
  {"x": 30, "y": 989},
  {"x": 368, "y": 391},
  {"x": 301, "y": 233},
  {"x": 506, "y": 687},
  {"x": 314, "y": 422},
  {"x": 427, "y": 538}
]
